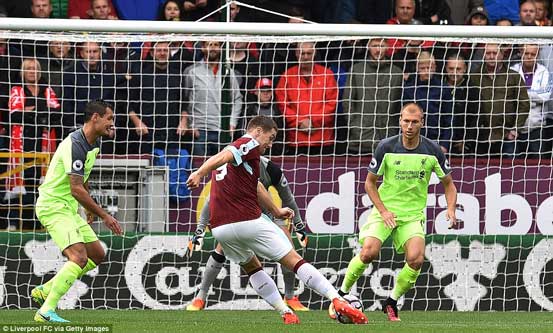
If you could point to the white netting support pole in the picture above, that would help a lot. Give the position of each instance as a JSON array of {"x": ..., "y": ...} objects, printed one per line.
[{"x": 280, "y": 29}]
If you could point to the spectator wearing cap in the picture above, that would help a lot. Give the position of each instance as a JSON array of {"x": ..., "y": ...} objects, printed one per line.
[
  {"x": 542, "y": 13},
  {"x": 477, "y": 16},
  {"x": 372, "y": 119},
  {"x": 307, "y": 96},
  {"x": 460, "y": 9},
  {"x": 527, "y": 14},
  {"x": 473, "y": 53},
  {"x": 264, "y": 106}
]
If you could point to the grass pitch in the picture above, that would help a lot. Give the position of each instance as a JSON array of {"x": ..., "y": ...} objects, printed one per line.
[{"x": 313, "y": 321}]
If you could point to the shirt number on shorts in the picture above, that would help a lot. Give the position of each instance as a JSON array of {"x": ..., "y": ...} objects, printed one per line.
[{"x": 221, "y": 172}]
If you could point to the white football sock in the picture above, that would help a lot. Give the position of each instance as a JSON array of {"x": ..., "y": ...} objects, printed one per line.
[
  {"x": 267, "y": 289},
  {"x": 316, "y": 281}
]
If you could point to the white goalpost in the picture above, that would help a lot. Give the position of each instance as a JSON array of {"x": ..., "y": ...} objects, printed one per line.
[{"x": 494, "y": 123}]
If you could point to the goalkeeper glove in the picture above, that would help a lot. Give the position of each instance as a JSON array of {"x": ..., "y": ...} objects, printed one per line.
[
  {"x": 196, "y": 242},
  {"x": 301, "y": 234}
]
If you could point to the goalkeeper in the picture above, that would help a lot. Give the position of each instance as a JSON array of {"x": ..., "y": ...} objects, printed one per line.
[
  {"x": 406, "y": 161},
  {"x": 270, "y": 174},
  {"x": 64, "y": 188}
]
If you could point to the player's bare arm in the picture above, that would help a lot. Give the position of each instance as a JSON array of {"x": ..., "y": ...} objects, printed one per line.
[
  {"x": 212, "y": 163},
  {"x": 266, "y": 202},
  {"x": 451, "y": 198},
  {"x": 79, "y": 192},
  {"x": 372, "y": 190}
]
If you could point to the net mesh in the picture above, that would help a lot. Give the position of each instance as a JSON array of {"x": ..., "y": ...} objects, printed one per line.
[{"x": 179, "y": 98}]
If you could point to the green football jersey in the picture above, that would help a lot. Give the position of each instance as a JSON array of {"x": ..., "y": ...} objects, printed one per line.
[
  {"x": 73, "y": 156},
  {"x": 404, "y": 189}
]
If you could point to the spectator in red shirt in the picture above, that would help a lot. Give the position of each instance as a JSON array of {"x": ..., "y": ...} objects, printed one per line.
[
  {"x": 33, "y": 115},
  {"x": 405, "y": 13},
  {"x": 83, "y": 9},
  {"x": 307, "y": 96}
]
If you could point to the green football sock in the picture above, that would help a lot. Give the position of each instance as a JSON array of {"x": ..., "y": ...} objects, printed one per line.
[
  {"x": 90, "y": 265},
  {"x": 405, "y": 280},
  {"x": 355, "y": 269},
  {"x": 61, "y": 284}
]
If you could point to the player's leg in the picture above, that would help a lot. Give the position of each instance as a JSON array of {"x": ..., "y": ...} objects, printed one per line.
[
  {"x": 358, "y": 264},
  {"x": 414, "y": 258},
  {"x": 312, "y": 278},
  {"x": 237, "y": 240},
  {"x": 268, "y": 290},
  {"x": 95, "y": 253},
  {"x": 62, "y": 281},
  {"x": 212, "y": 268},
  {"x": 409, "y": 238},
  {"x": 371, "y": 236},
  {"x": 269, "y": 241},
  {"x": 70, "y": 233},
  {"x": 290, "y": 280}
]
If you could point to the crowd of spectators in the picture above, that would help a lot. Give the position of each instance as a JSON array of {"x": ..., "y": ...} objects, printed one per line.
[{"x": 480, "y": 100}]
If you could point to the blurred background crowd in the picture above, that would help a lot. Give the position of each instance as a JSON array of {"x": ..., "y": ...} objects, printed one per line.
[{"x": 484, "y": 100}]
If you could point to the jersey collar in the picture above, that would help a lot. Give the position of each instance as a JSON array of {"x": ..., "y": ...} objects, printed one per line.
[
  {"x": 250, "y": 137},
  {"x": 90, "y": 147},
  {"x": 400, "y": 141}
]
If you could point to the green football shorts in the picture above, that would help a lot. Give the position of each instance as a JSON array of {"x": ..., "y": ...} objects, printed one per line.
[
  {"x": 64, "y": 226},
  {"x": 405, "y": 230}
]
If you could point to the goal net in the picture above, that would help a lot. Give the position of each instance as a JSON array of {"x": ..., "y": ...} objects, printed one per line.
[{"x": 180, "y": 97}]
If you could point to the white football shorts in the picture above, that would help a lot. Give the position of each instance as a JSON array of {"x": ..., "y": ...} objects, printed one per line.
[{"x": 261, "y": 237}]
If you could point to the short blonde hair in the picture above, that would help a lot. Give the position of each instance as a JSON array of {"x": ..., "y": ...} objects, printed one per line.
[
  {"x": 425, "y": 56},
  {"x": 24, "y": 64}
]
